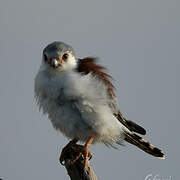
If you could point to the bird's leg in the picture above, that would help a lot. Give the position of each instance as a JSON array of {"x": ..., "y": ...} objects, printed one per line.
[
  {"x": 67, "y": 148},
  {"x": 86, "y": 153}
]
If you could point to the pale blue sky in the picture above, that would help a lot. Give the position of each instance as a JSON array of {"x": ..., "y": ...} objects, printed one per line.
[{"x": 139, "y": 42}]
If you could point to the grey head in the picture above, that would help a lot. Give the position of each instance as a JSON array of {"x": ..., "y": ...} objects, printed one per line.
[
  {"x": 57, "y": 48},
  {"x": 56, "y": 53}
]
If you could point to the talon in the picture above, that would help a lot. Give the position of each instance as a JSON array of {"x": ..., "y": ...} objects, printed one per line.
[
  {"x": 77, "y": 151},
  {"x": 83, "y": 150},
  {"x": 76, "y": 158}
]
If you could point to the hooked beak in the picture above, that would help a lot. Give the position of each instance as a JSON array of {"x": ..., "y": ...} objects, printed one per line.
[{"x": 54, "y": 63}]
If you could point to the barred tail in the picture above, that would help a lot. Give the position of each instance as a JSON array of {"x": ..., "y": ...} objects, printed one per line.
[{"x": 144, "y": 145}]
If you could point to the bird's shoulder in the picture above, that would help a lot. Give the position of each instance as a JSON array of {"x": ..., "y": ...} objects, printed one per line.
[{"x": 89, "y": 65}]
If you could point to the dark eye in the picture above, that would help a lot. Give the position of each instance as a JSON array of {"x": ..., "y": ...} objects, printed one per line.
[
  {"x": 65, "y": 56},
  {"x": 45, "y": 58}
]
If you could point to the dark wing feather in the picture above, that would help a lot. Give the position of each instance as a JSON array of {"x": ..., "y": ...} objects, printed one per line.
[{"x": 132, "y": 126}]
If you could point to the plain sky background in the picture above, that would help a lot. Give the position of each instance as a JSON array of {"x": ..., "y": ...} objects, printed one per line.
[{"x": 139, "y": 42}]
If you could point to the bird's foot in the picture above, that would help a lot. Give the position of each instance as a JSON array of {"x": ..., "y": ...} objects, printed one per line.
[
  {"x": 82, "y": 151},
  {"x": 74, "y": 151}
]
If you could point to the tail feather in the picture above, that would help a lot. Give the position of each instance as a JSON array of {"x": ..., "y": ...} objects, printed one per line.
[
  {"x": 132, "y": 126},
  {"x": 144, "y": 145}
]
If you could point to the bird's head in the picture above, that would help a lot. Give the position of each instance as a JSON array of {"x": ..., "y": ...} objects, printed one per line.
[{"x": 59, "y": 56}]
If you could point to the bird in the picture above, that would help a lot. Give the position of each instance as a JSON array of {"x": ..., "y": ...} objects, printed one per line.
[{"x": 79, "y": 98}]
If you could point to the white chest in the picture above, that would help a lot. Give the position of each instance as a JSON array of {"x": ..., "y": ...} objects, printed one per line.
[{"x": 76, "y": 105}]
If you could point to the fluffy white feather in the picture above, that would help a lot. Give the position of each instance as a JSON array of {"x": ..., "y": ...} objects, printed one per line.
[{"x": 77, "y": 105}]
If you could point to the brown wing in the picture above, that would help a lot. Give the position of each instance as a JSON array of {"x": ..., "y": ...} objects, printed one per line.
[{"x": 88, "y": 65}]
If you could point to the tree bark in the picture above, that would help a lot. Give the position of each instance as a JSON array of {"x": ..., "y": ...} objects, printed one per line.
[{"x": 76, "y": 170}]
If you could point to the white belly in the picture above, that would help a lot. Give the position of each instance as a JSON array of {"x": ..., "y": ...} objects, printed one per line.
[
  {"x": 68, "y": 119},
  {"x": 78, "y": 107}
]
